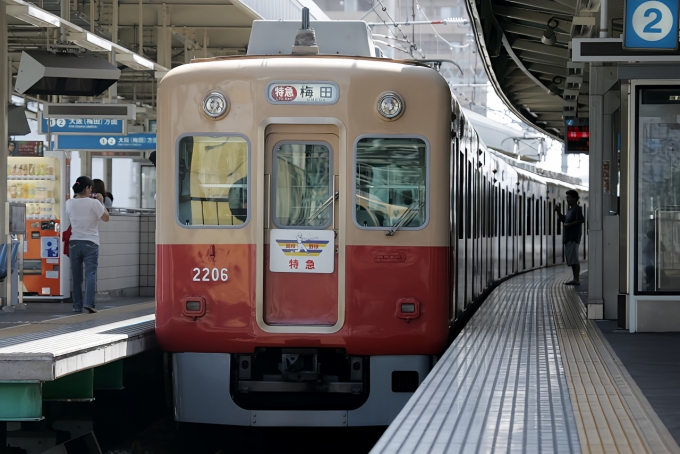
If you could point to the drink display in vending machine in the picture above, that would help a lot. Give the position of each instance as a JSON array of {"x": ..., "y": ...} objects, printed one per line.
[{"x": 36, "y": 181}]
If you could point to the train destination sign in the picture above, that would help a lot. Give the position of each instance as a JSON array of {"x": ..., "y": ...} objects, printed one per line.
[
  {"x": 289, "y": 92},
  {"x": 81, "y": 125},
  {"x": 130, "y": 142},
  {"x": 577, "y": 135},
  {"x": 301, "y": 251}
]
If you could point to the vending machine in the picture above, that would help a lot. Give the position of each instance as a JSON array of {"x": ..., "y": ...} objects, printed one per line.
[{"x": 37, "y": 181}]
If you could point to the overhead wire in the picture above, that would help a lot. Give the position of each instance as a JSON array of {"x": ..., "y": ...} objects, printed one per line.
[
  {"x": 412, "y": 45},
  {"x": 458, "y": 46}
]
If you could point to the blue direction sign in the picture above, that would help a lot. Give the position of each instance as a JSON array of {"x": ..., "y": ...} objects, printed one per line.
[
  {"x": 130, "y": 142},
  {"x": 81, "y": 126},
  {"x": 651, "y": 24}
]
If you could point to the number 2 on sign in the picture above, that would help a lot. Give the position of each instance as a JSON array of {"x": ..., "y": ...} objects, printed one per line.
[
  {"x": 649, "y": 28},
  {"x": 210, "y": 274}
]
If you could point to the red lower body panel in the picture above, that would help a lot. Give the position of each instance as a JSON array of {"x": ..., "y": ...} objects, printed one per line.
[
  {"x": 300, "y": 299},
  {"x": 376, "y": 278}
]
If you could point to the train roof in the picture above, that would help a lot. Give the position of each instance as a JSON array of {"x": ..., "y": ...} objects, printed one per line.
[
  {"x": 348, "y": 37},
  {"x": 527, "y": 167}
]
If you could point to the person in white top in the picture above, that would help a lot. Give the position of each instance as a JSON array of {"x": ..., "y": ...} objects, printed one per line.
[{"x": 83, "y": 213}]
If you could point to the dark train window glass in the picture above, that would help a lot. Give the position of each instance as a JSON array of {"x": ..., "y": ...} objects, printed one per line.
[
  {"x": 520, "y": 215},
  {"x": 538, "y": 218},
  {"x": 499, "y": 212},
  {"x": 529, "y": 211},
  {"x": 508, "y": 213},
  {"x": 468, "y": 202},
  {"x": 302, "y": 174},
  {"x": 550, "y": 217},
  {"x": 480, "y": 205},
  {"x": 558, "y": 222},
  {"x": 489, "y": 209},
  {"x": 503, "y": 218},
  {"x": 459, "y": 201},
  {"x": 544, "y": 205},
  {"x": 212, "y": 181},
  {"x": 391, "y": 182}
]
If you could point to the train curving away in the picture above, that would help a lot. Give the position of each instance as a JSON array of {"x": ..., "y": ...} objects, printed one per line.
[{"x": 323, "y": 220}]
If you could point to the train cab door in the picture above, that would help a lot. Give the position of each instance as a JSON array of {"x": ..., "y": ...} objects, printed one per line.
[{"x": 301, "y": 247}]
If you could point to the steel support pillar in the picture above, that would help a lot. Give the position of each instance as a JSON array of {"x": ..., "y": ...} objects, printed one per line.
[
  {"x": 5, "y": 98},
  {"x": 108, "y": 174},
  {"x": 86, "y": 163},
  {"x": 600, "y": 187},
  {"x": 164, "y": 57}
]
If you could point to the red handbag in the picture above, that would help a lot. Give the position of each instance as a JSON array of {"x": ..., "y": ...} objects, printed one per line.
[{"x": 65, "y": 238}]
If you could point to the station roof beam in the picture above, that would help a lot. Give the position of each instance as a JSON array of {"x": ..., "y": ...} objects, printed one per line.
[{"x": 525, "y": 47}]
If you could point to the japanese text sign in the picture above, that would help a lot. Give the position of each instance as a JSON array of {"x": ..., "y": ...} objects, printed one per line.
[
  {"x": 303, "y": 92},
  {"x": 130, "y": 142},
  {"x": 81, "y": 126},
  {"x": 302, "y": 251}
]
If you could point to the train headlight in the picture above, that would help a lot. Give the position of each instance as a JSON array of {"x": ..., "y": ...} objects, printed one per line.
[
  {"x": 215, "y": 104},
  {"x": 390, "y": 105}
]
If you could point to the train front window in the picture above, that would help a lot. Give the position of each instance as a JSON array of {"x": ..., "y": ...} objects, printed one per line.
[
  {"x": 303, "y": 185},
  {"x": 213, "y": 181},
  {"x": 391, "y": 178}
]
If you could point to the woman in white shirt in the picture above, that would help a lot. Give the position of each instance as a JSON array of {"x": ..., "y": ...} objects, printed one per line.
[{"x": 83, "y": 212}]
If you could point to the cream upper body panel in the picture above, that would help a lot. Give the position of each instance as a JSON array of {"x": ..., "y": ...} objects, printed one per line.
[{"x": 244, "y": 81}]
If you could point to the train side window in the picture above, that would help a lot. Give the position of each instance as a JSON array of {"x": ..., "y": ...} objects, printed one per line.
[
  {"x": 391, "y": 182},
  {"x": 459, "y": 201},
  {"x": 503, "y": 215},
  {"x": 302, "y": 182},
  {"x": 529, "y": 211},
  {"x": 468, "y": 209},
  {"x": 520, "y": 215},
  {"x": 550, "y": 217},
  {"x": 538, "y": 216},
  {"x": 212, "y": 181},
  {"x": 559, "y": 224}
]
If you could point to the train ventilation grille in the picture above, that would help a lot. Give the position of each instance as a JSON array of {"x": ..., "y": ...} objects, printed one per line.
[{"x": 404, "y": 381}]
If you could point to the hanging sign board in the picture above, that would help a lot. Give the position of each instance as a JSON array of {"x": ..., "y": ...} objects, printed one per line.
[
  {"x": 130, "y": 142},
  {"x": 301, "y": 251},
  {"x": 97, "y": 126},
  {"x": 651, "y": 24}
]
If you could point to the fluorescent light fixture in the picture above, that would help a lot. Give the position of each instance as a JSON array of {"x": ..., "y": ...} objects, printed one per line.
[
  {"x": 89, "y": 41},
  {"x": 33, "y": 15},
  {"x": 134, "y": 61}
]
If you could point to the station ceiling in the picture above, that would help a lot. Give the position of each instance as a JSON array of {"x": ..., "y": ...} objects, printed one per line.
[
  {"x": 525, "y": 47},
  {"x": 173, "y": 32}
]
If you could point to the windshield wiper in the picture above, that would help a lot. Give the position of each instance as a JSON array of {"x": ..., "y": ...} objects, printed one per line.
[
  {"x": 410, "y": 213},
  {"x": 323, "y": 206}
]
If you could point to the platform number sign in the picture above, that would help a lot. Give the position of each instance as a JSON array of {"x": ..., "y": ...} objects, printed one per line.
[{"x": 651, "y": 24}]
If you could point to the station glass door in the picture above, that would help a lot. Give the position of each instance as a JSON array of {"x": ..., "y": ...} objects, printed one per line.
[
  {"x": 657, "y": 223},
  {"x": 300, "y": 236}
]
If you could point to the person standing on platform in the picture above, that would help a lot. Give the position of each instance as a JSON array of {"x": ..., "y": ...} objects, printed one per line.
[
  {"x": 571, "y": 237},
  {"x": 100, "y": 188},
  {"x": 83, "y": 213}
]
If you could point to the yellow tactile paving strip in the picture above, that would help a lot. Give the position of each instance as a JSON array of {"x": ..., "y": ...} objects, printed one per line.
[{"x": 611, "y": 413}]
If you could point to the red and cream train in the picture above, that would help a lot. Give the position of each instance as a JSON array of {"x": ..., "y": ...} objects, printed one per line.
[{"x": 322, "y": 221}]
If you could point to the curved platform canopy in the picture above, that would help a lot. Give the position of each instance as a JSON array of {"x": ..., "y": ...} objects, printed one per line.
[{"x": 525, "y": 47}]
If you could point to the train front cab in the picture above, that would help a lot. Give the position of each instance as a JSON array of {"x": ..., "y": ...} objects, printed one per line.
[{"x": 306, "y": 311}]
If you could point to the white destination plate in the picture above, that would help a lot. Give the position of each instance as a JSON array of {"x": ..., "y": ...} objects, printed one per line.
[
  {"x": 301, "y": 251},
  {"x": 303, "y": 92}
]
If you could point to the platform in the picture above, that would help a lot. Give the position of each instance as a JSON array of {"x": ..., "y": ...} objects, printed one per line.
[
  {"x": 58, "y": 344},
  {"x": 529, "y": 373}
]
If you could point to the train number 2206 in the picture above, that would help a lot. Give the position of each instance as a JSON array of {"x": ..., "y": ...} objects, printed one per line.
[{"x": 210, "y": 274}]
